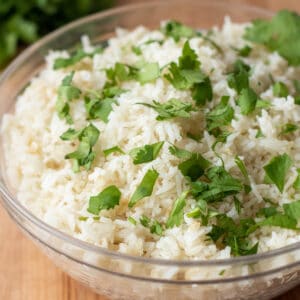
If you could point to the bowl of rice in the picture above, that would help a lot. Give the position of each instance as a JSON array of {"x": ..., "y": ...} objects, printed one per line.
[{"x": 151, "y": 151}]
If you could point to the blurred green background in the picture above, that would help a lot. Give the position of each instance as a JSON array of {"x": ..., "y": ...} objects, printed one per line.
[{"x": 24, "y": 21}]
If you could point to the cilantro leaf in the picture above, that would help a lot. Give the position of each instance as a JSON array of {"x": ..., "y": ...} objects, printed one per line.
[
  {"x": 143, "y": 73},
  {"x": 171, "y": 109},
  {"x": 267, "y": 211},
  {"x": 131, "y": 220},
  {"x": 288, "y": 128},
  {"x": 235, "y": 235},
  {"x": 280, "y": 90},
  {"x": 292, "y": 209},
  {"x": 98, "y": 108},
  {"x": 244, "y": 51},
  {"x": 194, "y": 167},
  {"x": 187, "y": 75},
  {"x": 84, "y": 155},
  {"x": 237, "y": 204},
  {"x": 148, "y": 72},
  {"x": 296, "y": 184},
  {"x": 145, "y": 153},
  {"x": 180, "y": 153},
  {"x": 280, "y": 220},
  {"x": 176, "y": 216},
  {"x": 113, "y": 150},
  {"x": 281, "y": 34},
  {"x": 221, "y": 115},
  {"x": 145, "y": 188},
  {"x": 66, "y": 92},
  {"x": 238, "y": 79},
  {"x": 60, "y": 63},
  {"x": 244, "y": 171},
  {"x": 177, "y": 30},
  {"x": 277, "y": 169},
  {"x": 154, "y": 226},
  {"x": 218, "y": 185},
  {"x": 107, "y": 199},
  {"x": 247, "y": 101}
]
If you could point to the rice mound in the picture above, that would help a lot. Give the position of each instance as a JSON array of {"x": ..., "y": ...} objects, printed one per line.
[{"x": 47, "y": 185}]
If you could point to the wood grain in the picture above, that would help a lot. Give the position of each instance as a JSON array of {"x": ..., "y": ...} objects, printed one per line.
[{"x": 26, "y": 274}]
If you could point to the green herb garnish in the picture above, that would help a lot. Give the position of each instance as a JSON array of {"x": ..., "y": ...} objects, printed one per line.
[
  {"x": 171, "y": 109},
  {"x": 84, "y": 155},
  {"x": 145, "y": 153},
  {"x": 280, "y": 90},
  {"x": 145, "y": 188},
  {"x": 247, "y": 101},
  {"x": 186, "y": 75},
  {"x": 60, "y": 62},
  {"x": 289, "y": 128},
  {"x": 107, "y": 199},
  {"x": 113, "y": 150},
  {"x": 281, "y": 34},
  {"x": 238, "y": 79},
  {"x": 177, "y": 30},
  {"x": 176, "y": 215},
  {"x": 221, "y": 115},
  {"x": 66, "y": 92},
  {"x": 277, "y": 169}
]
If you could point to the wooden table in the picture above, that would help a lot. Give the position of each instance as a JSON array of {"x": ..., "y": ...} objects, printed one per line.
[{"x": 26, "y": 274}]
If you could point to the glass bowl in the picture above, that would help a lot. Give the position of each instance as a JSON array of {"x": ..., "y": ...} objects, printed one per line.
[{"x": 121, "y": 276}]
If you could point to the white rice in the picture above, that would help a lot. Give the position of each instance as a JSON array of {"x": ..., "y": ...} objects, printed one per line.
[{"x": 47, "y": 185}]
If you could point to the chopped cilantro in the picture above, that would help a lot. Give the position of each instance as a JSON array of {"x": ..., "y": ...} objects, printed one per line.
[
  {"x": 66, "y": 92},
  {"x": 244, "y": 171},
  {"x": 171, "y": 109},
  {"x": 296, "y": 184},
  {"x": 180, "y": 153},
  {"x": 228, "y": 233},
  {"x": 177, "y": 30},
  {"x": 154, "y": 226},
  {"x": 244, "y": 51},
  {"x": 113, "y": 150},
  {"x": 218, "y": 185},
  {"x": 84, "y": 155},
  {"x": 220, "y": 115},
  {"x": 277, "y": 169},
  {"x": 247, "y": 101},
  {"x": 145, "y": 188},
  {"x": 195, "y": 164},
  {"x": 259, "y": 134},
  {"x": 237, "y": 204},
  {"x": 98, "y": 108},
  {"x": 137, "y": 50},
  {"x": 288, "y": 128},
  {"x": 238, "y": 79},
  {"x": 107, "y": 199},
  {"x": 267, "y": 211},
  {"x": 145, "y": 153},
  {"x": 143, "y": 73},
  {"x": 281, "y": 34},
  {"x": 60, "y": 62},
  {"x": 186, "y": 75},
  {"x": 176, "y": 216},
  {"x": 145, "y": 221},
  {"x": 292, "y": 209},
  {"x": 262, "y": 104},
  {"x": 280, "y": 90},
  {"x": 131, "y": 220},
  {"x": 280, "y": 220},
  {"x": 148, "y": 72}
]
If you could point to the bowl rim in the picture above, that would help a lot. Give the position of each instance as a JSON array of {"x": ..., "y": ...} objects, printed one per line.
[{"x": 10, "y": 202}]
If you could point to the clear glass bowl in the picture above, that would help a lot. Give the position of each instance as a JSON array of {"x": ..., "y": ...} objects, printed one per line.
[{"x": 120, "y": 276}]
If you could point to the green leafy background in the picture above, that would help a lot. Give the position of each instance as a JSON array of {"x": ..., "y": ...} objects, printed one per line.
[{"x": 24, "y": 21}]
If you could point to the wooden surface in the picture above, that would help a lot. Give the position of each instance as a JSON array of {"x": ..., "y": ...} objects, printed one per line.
[{"x": 26, "y": 274}]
